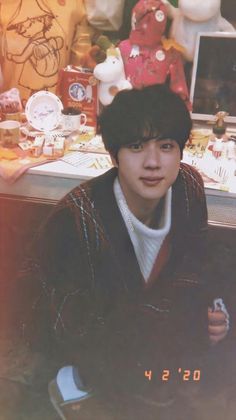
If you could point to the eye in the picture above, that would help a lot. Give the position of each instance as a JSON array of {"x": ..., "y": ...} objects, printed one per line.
[
  {"x": 136, "y": 147},
  {"x": 167, "y": 145}
]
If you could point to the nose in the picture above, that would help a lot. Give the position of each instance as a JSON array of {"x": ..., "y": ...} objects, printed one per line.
[{"x": 152, "y": 159}]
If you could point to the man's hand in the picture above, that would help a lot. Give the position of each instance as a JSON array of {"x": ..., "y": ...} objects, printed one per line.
[{"x": 217, "y": 325}]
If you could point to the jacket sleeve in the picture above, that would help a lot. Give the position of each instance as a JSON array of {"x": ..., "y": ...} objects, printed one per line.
[
  {"x": 190, "y": 296},
  {"x": 191, "y": 230}
]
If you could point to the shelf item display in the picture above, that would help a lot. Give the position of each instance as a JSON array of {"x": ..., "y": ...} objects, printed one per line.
[
  {"x": 88, "y": 160},
  {"x": 77, "y": 88},
  {"x": 213, "y": 87},
  {"x": 37, "y": 41},
  {"x": 148, "y": 58},
  {"x": 111, "y": 76},
  {"x": 83, "y": 143},
  {"x": 215, "y": 158},
  {"x": 105, "y": 15},
  {"x": 10, "y": 104},
  {"x": 9, "y": 133},
  {"x": 192, "y": 17},
  {"x": 199, "y": 141},
  {"x": 43, "y": 111},
  {"x": 72, "y": 119}
]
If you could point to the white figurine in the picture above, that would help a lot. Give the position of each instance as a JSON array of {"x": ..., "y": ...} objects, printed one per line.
[
  {"x": 193, "y": 16},
  {"x": 111, "y": 76}
]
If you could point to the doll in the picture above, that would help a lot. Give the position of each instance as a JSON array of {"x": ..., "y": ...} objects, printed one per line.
[
  {"x": 148, "y": 57},
  {"x": 193, "y": 16},
  {"x": 111, "y": 76}
]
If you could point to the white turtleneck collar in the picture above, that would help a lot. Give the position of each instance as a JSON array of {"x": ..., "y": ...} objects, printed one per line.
[{"x": 146, "y": 241}]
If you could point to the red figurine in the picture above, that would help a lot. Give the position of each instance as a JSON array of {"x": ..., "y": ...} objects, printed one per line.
[{"x": 148, "y": 57}]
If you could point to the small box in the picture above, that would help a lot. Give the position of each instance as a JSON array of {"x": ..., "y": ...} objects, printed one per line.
[
  {"x": 37, "y": 146},
  {"x": 48, "y": 148},
  {"x": 59, "y": 146}
]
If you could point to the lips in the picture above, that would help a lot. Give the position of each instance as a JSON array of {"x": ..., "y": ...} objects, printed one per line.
[{"x": 152, "y": 181}]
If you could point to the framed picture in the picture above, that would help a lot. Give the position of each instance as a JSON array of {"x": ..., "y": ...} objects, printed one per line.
[{"x": 213, "y": 84}]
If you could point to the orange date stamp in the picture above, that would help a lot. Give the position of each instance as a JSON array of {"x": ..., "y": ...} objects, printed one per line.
[{"x": 184, "y": 375}]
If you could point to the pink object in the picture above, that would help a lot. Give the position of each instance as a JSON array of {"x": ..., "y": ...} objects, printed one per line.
[
  {"x": 146, "y": 60},
  {"x": 148, "y": 23}
]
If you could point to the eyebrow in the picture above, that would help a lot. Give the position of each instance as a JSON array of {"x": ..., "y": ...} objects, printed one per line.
[{"x": 157, "y": 138}]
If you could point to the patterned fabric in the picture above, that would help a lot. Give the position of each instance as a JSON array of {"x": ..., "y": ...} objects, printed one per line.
[{"x": 86, "y": 281}]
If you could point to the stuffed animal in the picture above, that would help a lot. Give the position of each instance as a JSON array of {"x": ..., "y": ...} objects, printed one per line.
[
  {"x": 148, "y": 57},
  {"x": 111, "y": 76},
  {"x": 193, "y": 16},
  {"x": 91, "y": 58},
  {"x": 94, "y": 54}
]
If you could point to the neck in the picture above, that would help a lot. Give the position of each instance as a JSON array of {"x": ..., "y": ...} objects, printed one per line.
[
  {"x": 152, "y": 218},
  {"x": 145, "y": 211}
]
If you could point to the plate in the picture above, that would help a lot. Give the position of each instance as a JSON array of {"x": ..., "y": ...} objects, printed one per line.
[{"x": 43, "y": 110}]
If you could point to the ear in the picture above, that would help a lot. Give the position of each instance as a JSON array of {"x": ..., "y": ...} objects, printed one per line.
[{"x": 114, "y": 161}]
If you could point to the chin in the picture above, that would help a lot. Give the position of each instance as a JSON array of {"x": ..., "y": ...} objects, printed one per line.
[{"x": 153, "y": 197}]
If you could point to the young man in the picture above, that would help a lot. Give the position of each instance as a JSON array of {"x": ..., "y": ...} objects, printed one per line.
[{"x": 120, "y": 275}]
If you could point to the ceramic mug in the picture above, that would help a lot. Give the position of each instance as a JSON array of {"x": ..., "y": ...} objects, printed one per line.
[
  {"x": 15, "y": 116},
  {"x": 73, "y": 119},
  {"x": 9, "y": 133}
]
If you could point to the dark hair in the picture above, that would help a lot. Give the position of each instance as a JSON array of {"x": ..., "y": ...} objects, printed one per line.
[{"x": 140, "y": 115}]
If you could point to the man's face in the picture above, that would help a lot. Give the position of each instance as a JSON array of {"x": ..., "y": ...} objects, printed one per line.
[{"x": 146, "y": 171}]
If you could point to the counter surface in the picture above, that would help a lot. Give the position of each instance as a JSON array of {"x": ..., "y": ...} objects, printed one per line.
[{"x": 48, "y": 183}]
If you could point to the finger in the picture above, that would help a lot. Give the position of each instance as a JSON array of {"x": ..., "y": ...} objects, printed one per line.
[
  {"x": 217, "y": 334},
  {"x": 217, "y": 330},
  {"x": 216, "y": 317},
  {"x": 215, "y": 313},
  {"x": 214, "y": 339}
]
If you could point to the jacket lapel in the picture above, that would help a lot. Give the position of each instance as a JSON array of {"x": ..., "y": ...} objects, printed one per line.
[{"x": 120, "y": 244}]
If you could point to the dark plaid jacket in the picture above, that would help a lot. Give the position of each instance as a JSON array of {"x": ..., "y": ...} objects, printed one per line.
[{"x": 88, "y": 290}]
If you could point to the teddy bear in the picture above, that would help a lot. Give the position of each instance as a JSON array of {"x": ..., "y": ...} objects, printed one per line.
[
  {"x": 193, "y": 16},
  {"x": 111, "y": 76},
  {"x": 148, "y": 57}
]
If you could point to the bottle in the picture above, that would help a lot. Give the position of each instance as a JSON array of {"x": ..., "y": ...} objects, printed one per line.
[
  {"x": 80, "y": 48},
  {"x": 219, "y": 127},
  {"x": 219, "y": 130}
]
